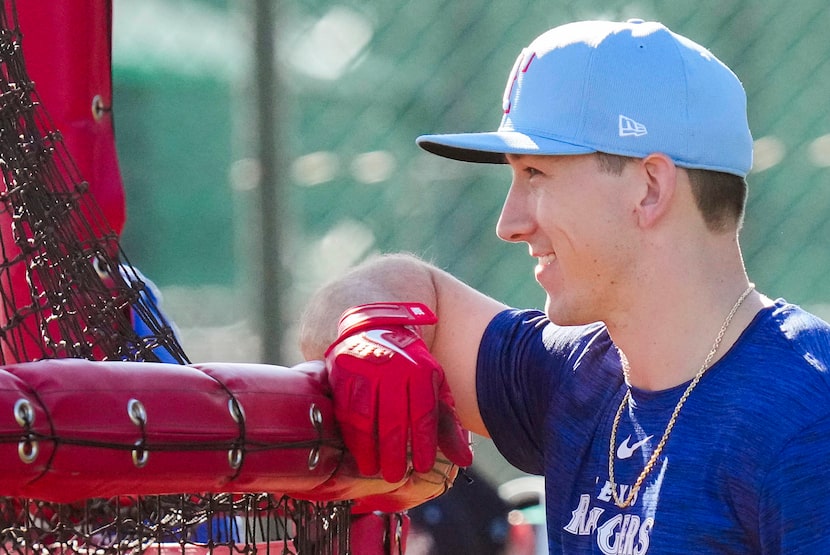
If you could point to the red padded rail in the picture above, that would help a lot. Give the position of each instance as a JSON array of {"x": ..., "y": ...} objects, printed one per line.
[{"x": 73, "y": 429}]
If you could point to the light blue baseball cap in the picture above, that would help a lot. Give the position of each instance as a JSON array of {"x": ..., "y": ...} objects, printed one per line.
[{"x": 631, "y": 88}]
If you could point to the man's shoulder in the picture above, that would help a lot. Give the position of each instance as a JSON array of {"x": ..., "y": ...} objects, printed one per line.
[
  {"x": 781, "y": 368},
  {"x": 515, "y": 321},
  {"x": 798, "y": 338},
  {"x": 531, "y": 332}
]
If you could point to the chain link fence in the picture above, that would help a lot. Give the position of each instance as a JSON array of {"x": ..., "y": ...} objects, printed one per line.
[
  {"x": 366, "y": 78},
  {"x": 359, "y": 81}
]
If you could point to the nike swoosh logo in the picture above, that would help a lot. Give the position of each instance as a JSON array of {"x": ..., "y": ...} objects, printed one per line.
[
  {"x": 376, "y": 336},
  {"x": 625, "y": 450}
]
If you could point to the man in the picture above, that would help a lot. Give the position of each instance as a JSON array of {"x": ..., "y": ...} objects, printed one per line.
[{"x": 671, "y": 407}]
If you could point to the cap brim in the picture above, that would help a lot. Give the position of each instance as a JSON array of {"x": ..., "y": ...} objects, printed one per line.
[{"x": 490, "y": 148}]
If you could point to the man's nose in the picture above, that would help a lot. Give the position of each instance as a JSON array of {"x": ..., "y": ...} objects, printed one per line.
[{"x": 515, "y": 223}]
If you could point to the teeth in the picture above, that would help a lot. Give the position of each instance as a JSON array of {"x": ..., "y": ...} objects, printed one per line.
[{"x": 547, "y": 259}]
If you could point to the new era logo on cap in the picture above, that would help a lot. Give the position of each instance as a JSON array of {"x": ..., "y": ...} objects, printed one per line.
[{"x": 631, "y": 128}]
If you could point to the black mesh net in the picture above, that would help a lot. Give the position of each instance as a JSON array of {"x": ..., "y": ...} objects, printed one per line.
[
  {"x": 185, "y": 523},
  {"x": 81, "y": 287},
  {"x": 68, "y": 290}
]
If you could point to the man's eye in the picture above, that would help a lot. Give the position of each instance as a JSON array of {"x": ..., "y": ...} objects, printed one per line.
[{"x": 533, "y": 172}]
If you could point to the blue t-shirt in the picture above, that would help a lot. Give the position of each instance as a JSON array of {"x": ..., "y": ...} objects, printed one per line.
[{"x": 746, "y": 468}]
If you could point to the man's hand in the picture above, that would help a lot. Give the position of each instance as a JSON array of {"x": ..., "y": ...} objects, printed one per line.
[{"x": 390, "y": 396}]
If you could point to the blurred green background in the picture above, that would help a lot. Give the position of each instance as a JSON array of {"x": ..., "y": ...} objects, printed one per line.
[{"x": 356, "y": 82}]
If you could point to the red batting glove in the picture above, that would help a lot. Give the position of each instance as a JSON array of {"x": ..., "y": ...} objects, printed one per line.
[{"x": 390, "y": 395}]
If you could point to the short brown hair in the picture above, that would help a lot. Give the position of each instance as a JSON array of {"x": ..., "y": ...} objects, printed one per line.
[{"x": 720, "y": 196}]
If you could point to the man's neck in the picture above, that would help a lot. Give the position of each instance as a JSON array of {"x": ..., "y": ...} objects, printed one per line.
[{"x": 667, "y": 342}]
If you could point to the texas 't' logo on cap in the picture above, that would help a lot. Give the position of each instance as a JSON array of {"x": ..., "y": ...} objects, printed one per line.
[{"x": 521, "y": 66}]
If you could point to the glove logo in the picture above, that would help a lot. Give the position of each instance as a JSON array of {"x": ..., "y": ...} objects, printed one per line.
[{"x": 379, "y": 337}]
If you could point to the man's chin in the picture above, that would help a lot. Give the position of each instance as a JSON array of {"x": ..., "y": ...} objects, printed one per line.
[{"x": 555, "y": 313}]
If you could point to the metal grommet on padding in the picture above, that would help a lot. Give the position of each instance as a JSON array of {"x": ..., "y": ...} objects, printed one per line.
[
  {"x": 313, "y": 458},
  {"x": 137, "y": 412},
  {"x": 101, "y": 267},
  {"x": 237, "y": 413},
  {"x": 140, "y": 454},
  {"x": 24, "y": 413},
  {"x": 99, "y": 108},
  {"x": 235, "y": 458},
  {"x": 28, "y": 450},
  {"x": 316, "y": 416}
]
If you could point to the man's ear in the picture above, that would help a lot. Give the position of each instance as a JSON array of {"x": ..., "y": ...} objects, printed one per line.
[{"x": 660, "y": 175}]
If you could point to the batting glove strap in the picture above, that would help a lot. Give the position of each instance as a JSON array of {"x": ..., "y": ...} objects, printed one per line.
[{"x": 377, "y": 315}]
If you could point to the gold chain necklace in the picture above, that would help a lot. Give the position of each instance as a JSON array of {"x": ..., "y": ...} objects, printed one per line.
[{"x": 623, "y": 503}]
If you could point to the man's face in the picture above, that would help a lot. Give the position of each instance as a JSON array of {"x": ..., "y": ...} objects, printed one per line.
[{"x": 579, "y": 223}]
